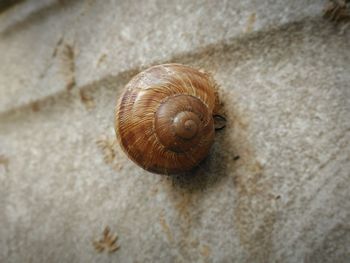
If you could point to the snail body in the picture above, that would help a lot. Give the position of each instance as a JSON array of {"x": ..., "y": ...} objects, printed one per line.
[{"x": 164, "y": 119}]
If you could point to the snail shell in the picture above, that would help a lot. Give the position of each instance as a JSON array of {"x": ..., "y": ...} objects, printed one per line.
[{"x": 164, "y": 119}]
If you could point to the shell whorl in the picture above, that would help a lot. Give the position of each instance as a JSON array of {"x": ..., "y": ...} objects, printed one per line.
[{"x": 164, "y": 118}]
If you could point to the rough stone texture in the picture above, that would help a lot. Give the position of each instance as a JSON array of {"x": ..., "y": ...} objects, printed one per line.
[
  {"x": 284, "y": 75},
  {"x": 116, "y": 36}
]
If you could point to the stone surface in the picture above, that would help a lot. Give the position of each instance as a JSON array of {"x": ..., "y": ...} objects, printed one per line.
[
  {"x": 113, "y": 37},
  {"x": 276, "y": 185}
]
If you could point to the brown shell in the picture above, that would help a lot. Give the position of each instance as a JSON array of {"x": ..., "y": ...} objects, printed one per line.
[{"x": 145, "y": 117}]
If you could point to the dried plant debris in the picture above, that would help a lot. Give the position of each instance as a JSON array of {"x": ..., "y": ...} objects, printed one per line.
[
  {"x": 250, "y": 23},
  {"x": 53, "y": 56},
  {"x": 108, "y": 242},
  {"x": 165, "y": 227},
  {"x": 58, "y": 44},
  {"x": 110, "y": 152},
  {"x": 337, "y": 10},
  {"x": 87, "y": 99},
  {"x": 68, "y": 60},
  {"x": 102, "y": 59}
]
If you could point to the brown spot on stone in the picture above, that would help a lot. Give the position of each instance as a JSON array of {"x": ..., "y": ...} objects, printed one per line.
[
  {"x": 111, "y": 152},
  {"x": 101, "y": 59},
  {"x": 194, "y": 243},
  {"x": 182, "y": 206},
  {"x": 58, "y": 44},
  {"x": 205, "y": 251},
  {"x": 108, "y": 242},
  {"x": 250, "y": 23},
  {"x": 255, "y": 213},
  {"x": 165, "y": 227},
  {"x": 5, "y": 162},
  {"x": 35, "y": 106},
  {"x": 87, "y": 99},
  {"x": 70, "y": 84},
  {"x": 68, "y": 65}
]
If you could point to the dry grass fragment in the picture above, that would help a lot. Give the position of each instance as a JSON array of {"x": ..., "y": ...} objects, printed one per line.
[
  {"x": 87, "y": 99},
  {"x": 109, "y": 148},
  {"x": 68, "y": 60},
  {"x": 108, "y": 242}
]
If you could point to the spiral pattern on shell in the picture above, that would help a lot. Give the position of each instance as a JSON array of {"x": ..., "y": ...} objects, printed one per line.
[{"x": 164, "y": 118}]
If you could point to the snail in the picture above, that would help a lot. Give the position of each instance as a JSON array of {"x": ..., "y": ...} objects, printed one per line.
[{"x": 164, "y": 120}]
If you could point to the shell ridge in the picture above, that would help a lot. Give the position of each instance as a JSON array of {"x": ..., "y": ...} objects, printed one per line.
[{"x": 137, "y": 111}]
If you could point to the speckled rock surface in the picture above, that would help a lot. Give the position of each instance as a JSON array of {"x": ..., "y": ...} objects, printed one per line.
[
  {"x": 116, "y": 36},
  {"x": 275, "y": 187}
]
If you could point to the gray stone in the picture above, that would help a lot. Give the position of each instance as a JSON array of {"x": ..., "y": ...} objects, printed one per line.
[
  {"x": 285, "y": 84},
  {"x": 116, "y": 36}
]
